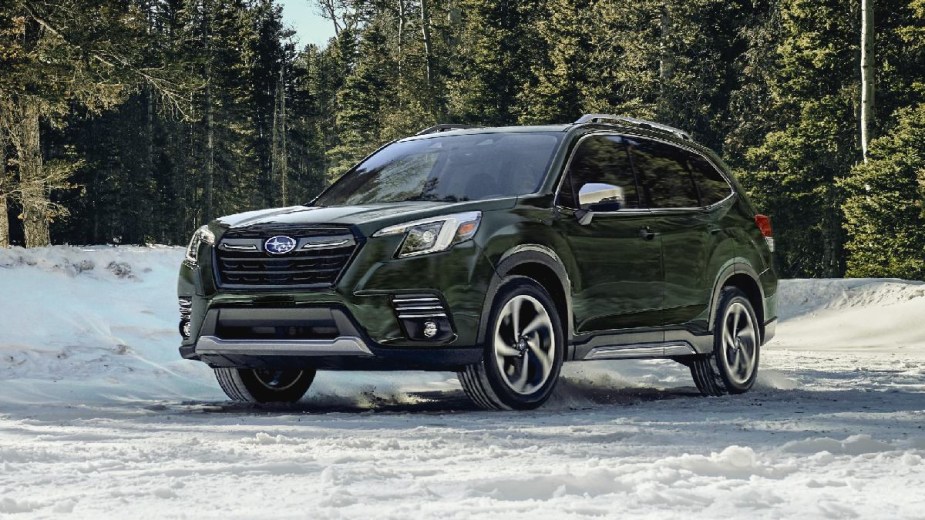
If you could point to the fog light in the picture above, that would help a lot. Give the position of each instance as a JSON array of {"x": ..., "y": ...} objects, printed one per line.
[
  {"x": 430, "y": 329},
  {"x": 185, "y": 328}
]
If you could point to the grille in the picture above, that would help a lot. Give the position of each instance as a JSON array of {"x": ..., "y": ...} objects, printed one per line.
[{"x": 319, "y": 256}]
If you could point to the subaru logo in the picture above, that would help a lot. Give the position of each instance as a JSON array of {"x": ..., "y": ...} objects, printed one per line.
[{"x": 279, "y": 245}]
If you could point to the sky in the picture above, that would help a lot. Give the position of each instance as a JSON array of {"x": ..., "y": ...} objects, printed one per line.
[{"x": 310, "y": 27}]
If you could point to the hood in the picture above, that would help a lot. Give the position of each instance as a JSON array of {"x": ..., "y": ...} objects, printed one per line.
[{"x": 369, "y": 218}]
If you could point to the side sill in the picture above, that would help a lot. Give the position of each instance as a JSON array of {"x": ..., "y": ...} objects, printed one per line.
[{"x": 644, "y": 351}]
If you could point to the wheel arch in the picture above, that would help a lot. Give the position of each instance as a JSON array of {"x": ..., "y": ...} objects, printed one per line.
[
  {"x": 542, "y": 264},
  {"x": 742, "y": 276}
]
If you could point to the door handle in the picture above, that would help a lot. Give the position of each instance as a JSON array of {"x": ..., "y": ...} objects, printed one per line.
[{"x": 647, "y": 234}]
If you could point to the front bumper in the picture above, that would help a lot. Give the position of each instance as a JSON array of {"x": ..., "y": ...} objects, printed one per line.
[{"x": 362, "y": 322}]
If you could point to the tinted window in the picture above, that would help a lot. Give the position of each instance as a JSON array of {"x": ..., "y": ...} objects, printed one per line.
[
  {"x": 712, "y": 186},
  {"x": 448, "y": 168},
  {"x": 600, "y": 159},
  {"x": 663, "y": 175}
]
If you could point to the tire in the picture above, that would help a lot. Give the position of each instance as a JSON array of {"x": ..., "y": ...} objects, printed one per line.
[
  {"x": 264, "y": 385},
  {"x": 732, "y": 367},
  {"x": 521, "y": 363}
]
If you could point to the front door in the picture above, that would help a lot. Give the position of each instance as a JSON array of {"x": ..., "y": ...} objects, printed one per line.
[{"x": 618, "y": 276}]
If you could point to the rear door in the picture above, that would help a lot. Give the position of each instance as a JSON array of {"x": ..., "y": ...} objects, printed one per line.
[
  {"x": 684, "y": 192},
  {"x": 685, "y": 229},
  {"x": 618, "y": 283}
]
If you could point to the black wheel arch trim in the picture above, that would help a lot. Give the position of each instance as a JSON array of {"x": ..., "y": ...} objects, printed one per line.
[
  {"x": 735, "y": 267},
  {"x": 530, "y": 254}
]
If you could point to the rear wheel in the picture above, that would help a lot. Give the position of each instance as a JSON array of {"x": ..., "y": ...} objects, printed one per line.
[
  {"x": 264, "y": 385},
  {"x": 523, "y": 352},
  {"x": 732, "y": 367}
]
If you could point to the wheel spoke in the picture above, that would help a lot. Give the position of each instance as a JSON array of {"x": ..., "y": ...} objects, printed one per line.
[
  {"x": 728, "y": 340},
  {"x": 746, "y": 361},
  {"x": 543, "y": 357},
  {"x": 521, "y": 381},
  {"x": 515, "y": 316},
  {"x": 735, "y": 321},
  {"x": 536, "y": 324}
]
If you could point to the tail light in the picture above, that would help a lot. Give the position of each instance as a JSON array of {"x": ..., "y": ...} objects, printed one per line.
[{"x": 764, "y": 225}]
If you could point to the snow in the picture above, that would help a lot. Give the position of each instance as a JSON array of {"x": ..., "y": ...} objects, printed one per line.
[{"x": 99, "y": 416}]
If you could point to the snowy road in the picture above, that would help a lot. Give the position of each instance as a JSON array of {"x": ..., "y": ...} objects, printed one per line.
[{"x": 98, "y": 417}]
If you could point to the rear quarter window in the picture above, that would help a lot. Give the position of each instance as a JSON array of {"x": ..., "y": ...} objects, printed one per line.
[{"x": 712, "y": 185}]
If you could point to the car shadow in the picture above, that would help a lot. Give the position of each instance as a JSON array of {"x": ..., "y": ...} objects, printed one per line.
[{"x": 568, "y": 395}]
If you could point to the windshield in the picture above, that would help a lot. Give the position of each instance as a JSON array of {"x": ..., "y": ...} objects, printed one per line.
[{"x": 448, "y": 169}]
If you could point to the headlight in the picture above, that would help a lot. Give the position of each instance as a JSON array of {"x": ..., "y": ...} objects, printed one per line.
[
  {"x": 201, "y": 236},
  {"x": 433, "y": 234}
]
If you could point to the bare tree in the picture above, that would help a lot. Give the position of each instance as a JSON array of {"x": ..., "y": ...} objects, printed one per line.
[
  {"x": 867, "y": 73},
  {"x": 428, "y": 47},
  {"x": 4, "y": 211},
  {"x": 342, "y": 13},
  {"x": 402, "y": 20}
]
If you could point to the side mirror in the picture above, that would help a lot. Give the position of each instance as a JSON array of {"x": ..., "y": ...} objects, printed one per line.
[{"x": 597, "y": 196}]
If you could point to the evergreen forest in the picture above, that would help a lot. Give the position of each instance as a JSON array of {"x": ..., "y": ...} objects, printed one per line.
[{"x": 135, "y": 121}]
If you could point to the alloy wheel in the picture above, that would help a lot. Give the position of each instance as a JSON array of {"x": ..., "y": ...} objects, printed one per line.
[
  {"x": 524, "y": 344},
  {"x": 740, "y": 344}
]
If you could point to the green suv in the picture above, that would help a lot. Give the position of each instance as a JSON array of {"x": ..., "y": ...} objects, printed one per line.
[{"x": 497, "y": 253}]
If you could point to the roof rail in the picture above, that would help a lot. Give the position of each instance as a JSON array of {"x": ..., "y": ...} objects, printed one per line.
[
  {"x": 642, "y": 123},
  {"x": 436, "y": 129}
]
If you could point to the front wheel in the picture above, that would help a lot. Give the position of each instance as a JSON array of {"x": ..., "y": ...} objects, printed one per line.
[
  {"x": 264, "y": 385},
  {"x": 732, "y": 367},
  {"x": 524, "y": 350}
]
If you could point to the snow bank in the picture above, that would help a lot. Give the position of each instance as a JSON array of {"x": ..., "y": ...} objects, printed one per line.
[{"x": 91, "y": 324}]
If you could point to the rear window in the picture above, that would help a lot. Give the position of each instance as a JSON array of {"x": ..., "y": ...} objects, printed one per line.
[{"x": 663, "y": 174}]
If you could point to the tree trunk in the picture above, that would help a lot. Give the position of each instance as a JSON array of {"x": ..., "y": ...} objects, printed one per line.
[
  {"x": 428, "y": 47},
  {"x": 210, "y": 154},
  {"x": 666, "y": 63},
  {"x": 4, "y": 222},
  {"x": 401, "y": 39},
  {"x": 4, "y": 212},
  {"x": 210, "y": 123},
  {"x": 867, "y": 73},
  {"x": 276, "y": 195},
  {"x": 283, "y": 153},
  {"x": 33, "y": 194}
]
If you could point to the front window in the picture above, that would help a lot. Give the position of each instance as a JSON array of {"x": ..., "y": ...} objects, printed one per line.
[
  {"x": 449, "y": 168},
  {"x": 600, "y": 159}
]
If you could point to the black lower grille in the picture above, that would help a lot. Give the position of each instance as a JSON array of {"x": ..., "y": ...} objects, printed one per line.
[{"x": 317, "y": 258}]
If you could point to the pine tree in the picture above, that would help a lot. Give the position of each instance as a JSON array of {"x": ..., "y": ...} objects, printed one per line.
[
  {"x": 792, "y": 174},
  {"x": 496, "y": 43},
  {"x": 366, "y": 96},
  {"x": 885, "y": 204},
  {"x": 554, "y": 96}
]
